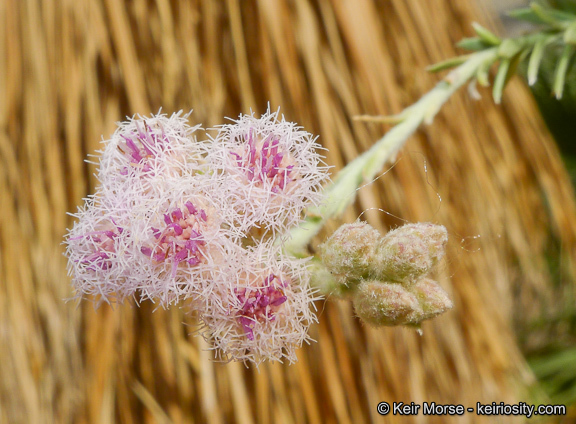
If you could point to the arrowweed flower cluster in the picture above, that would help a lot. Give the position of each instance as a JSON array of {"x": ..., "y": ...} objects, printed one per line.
[
  {"x": 272, "y": 170},
  {"x": 385, "y": 276},
  {"x": 258, "y": 309},
  {"x": 178, "y": 219}
]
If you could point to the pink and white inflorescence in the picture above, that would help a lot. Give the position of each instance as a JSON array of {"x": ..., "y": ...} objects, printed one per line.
[
  {"x": 260, "y": 309},
  {"x": 181, "y": 247},
  {"x": 273, "y": 170},
  {"x": 175, "y": 218},
  {"x": 99, "y": 253},
  {"x": 144, "y": 148}
]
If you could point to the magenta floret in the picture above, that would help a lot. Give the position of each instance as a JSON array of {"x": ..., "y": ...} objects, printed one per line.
[
  {"x": 260, "y": 304},
  {"x": 181, "y": 240}
]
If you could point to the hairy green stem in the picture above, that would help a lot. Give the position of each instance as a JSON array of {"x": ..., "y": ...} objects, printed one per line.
[
  {"x": 365, "y": 167},
  {"x": 342, "y": 191}
]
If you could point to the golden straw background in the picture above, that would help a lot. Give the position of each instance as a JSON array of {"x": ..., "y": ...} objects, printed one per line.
[{"x": 70, "y": 69}]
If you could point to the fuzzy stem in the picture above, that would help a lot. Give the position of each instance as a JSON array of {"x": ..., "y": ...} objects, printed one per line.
[{"x": 342, "y": 192}]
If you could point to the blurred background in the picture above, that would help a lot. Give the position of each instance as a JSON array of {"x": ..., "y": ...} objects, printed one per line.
[{"x": 493, "y": 175}]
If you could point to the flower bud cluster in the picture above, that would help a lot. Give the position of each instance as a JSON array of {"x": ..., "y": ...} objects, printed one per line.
[
  {"x": 178, "y": 219},
  {"x": 385, "y": 276}
]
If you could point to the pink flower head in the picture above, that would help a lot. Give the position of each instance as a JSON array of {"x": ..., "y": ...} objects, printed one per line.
[
  {"x": 272, "y": 167},
  {"x": 148, "y": 147},
  {"x": 98, "y": 250},
  {"x": 182, "y": 245},
  {"x": 260, "y": 309}
]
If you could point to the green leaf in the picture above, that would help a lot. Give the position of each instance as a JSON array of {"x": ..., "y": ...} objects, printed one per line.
[
  {"x": 474, "y": 43},
  {"x": 560, "y": 16},
  {"x": 561, "y": 69},
  {"x": 500, "y": 80},
  {"x": 536, "y": 59},
  {"x": 555, "y": 363},
  {"x": 525, "y": 14},
  {"x": 505, "y": 72},
  {"x": 570, "y": 34},
  {"x": 551, "y": 15},
  {"x": 447, "y": 64},
  {"x": 485, "y": 35},
  {"x": 482, "y": 75}
]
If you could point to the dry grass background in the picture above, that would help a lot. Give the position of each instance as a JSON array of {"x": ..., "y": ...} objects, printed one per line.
[{"x": 69, "y": 69}]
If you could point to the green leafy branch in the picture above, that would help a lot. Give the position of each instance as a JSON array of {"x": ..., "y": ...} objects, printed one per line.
[{"x": 557, "y": 29}]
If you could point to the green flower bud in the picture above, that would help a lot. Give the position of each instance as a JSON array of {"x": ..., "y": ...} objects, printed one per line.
[
  {"x": 349, "y": 252},
  {"x": 432, "y": 298},
  {"x": 380, "y": 304},
  {"x": 390, "y": 304},
  {"x": 409, "y": 252}
]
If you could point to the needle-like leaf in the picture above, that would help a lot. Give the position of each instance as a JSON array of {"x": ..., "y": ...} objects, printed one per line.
[
  {"x": 536, "y": 59},
  {"x": 561, "y": 70},
  {"x": 500, "y": 80},
  {"x": 473, "y": 43},
  {"x": 485, "y": 35},
  {"x": 447, "y": 64}
]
